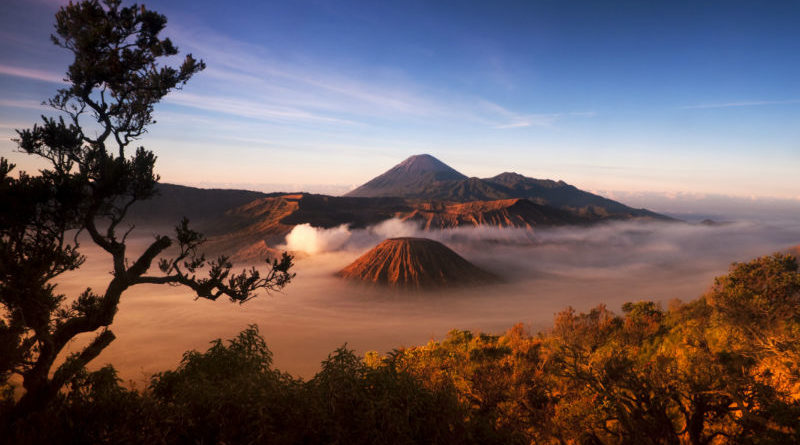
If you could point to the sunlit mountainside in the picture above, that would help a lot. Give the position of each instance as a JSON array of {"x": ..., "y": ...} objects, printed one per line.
[
  {"x": 416, "y": 263},
  {"x": 421, "y": 190}
]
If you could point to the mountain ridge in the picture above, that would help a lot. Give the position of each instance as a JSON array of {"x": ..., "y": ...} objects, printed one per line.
[
  {"x": 247, "y": 224},
  {"x": 422, "y": 183},
  {"x": 270, "y": 219}
]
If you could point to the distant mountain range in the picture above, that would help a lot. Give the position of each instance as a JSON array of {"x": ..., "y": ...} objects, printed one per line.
[
  {"x": 420, "y": 189},
  {"x": 423, "y": 177},
  {"x": 173, "y": 202}
]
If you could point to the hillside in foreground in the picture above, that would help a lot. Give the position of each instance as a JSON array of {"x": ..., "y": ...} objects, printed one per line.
[{"x": 722, "y": 369}]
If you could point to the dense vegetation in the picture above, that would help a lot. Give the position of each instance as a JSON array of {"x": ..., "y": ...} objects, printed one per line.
[{"x": 721, "y": 369}]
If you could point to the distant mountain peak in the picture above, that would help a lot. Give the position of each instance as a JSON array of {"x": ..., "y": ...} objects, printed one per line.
[
  {"x": 416, "y": 172},
  {"x": 425, "y": 163},
  {"x": 423, "y": 157},
  {"x": 514, "y": 177},
  {"x": 509, "y": 175}
]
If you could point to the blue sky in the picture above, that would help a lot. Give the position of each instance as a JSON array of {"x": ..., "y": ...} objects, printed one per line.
[{"x": 673, "y": 97}]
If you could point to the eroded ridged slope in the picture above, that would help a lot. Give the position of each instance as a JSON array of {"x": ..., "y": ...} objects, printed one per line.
[{"x": 415, "y": 263}]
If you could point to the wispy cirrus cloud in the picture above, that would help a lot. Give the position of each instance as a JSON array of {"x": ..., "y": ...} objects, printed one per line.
[
  {"x": 27, "y": 104},
  {"x": 252, "y": 81},
  {"x": 752, "y": 103},
  {"x": 520, "y": 120},
  {"x": 30, "y": 73},
  {"x": 11, "y": 127},
  {"x": 54, "y": 2},
  {"x": 300, "y": 82},
  {"x": 248, "y": 108},
  {"x": 248, "y": 81},
  {"x": 530, "y": 120}
]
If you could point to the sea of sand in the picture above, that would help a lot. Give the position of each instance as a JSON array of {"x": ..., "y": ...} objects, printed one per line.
[{"x": 544, "y": 273}]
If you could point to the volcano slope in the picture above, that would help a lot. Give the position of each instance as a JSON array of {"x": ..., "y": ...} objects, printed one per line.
[
  {"x": 254, "y": 229},
  {"x": 415, "y": 263},
  {"x": 425, "y": 178},
  {"x": 248, "y": 226}
]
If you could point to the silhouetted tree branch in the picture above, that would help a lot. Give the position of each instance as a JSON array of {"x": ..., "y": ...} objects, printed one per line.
[{"x": 92, "y": 180}]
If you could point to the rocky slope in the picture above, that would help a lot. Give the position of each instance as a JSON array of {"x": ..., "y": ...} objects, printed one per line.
[
  {"x": 248, "y": 225},
  {"x": 246, "y": 231},
  {"x": 415, "y": 263},
  {"x": 501, "y": 213}
]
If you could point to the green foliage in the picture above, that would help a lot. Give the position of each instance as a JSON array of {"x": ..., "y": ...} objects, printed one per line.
[
  {"x": 358, "y": 404},
  {"x": 229, "y": 394}
]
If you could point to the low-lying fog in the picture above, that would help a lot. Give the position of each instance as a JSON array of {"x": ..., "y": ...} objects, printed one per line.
[{"x": 545, "y": 271}]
